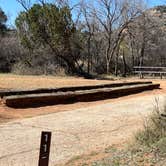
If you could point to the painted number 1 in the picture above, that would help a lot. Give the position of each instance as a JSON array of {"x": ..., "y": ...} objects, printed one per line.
[{"x": 44, "y": 148}]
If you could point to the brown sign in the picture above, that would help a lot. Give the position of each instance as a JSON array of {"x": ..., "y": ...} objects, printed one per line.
[{"x": 44, "y": 148}]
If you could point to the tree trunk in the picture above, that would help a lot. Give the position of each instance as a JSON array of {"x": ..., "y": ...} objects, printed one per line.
[
  {"x": 108, "y": 67},
  {"x": 142, "y": 54},
  {"x": 89, "y": 54},
  {"x": 132, "y": 55},
  {"x": 124, "y": 65},
  {"x": 116, "y": 67}
]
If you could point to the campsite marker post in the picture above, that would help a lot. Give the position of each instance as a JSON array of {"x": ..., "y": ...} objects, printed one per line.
[{"x": 44, "y": 148}]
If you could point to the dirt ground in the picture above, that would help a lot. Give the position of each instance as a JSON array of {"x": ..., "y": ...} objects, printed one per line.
[
  {"x": 31, "y": 82},
  {"x": 80, "y": 128},
  {"x": 10, "y": 81},
  {"x": 75, "y": 132}
]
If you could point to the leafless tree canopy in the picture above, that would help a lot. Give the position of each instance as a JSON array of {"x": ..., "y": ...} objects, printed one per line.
[{"x": 111, "y": 36}]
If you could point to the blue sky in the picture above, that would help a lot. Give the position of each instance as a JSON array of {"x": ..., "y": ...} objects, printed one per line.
[{"x": 12, "y": 8}]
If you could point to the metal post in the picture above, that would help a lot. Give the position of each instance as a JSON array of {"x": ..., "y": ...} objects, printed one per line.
[{"x": 44, "y": 148}]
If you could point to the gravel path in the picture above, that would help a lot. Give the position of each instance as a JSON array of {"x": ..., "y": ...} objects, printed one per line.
[{"x": 74, "y": 132}]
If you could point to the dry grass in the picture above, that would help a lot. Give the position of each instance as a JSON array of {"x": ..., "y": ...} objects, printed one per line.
[
  {"x": 154, "y": 127},
  {"x": 148, "y": 149},
  {"x": 11, "y": 81}
]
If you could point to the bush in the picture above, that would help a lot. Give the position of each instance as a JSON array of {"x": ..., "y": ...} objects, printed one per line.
[
  {"x": 154, "y": 127},
  {"x": 22, "y": 68},
  {"x": 37, "y": 69}
]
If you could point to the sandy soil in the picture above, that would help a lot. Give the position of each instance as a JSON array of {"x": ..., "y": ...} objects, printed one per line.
[
  {"x": 75, "y": 132},
  {"x": 18, "y": 82},
  {"x": 78, "y": 128},
  {"x": 10, "y": 81},
  {"x": 10, "y": 114},
  {"x": 31, "y": 82}
]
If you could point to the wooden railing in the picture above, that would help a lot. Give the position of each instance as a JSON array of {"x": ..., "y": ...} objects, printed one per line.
[{"x": 142, "y": 70}]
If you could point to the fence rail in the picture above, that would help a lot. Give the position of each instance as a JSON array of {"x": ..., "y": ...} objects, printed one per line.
[{"x": 142, "y": 70}]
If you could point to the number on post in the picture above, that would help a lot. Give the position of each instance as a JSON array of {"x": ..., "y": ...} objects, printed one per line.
[{"x": 44, "y": 148}]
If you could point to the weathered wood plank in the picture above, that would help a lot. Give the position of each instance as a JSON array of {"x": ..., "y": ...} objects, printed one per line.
[
  {"x": 36, "y": 100},
  {"x": 65, "y": 89}
]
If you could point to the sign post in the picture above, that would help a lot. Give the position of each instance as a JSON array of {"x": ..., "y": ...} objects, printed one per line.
[{"x": 44, "y": 148}]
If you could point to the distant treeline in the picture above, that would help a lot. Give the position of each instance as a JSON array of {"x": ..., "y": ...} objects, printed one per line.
[{"x": 106, "y": 37}]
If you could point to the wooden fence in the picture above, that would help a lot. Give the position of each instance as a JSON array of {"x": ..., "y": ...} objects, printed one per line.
[{"x": 152, "y": 71}]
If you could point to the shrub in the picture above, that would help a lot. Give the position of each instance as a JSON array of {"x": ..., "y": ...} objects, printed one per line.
[{"x": 154, "y": 127}]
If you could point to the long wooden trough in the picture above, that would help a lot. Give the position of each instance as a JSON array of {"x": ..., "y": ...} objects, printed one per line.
[{"x": 64, "y": 97}]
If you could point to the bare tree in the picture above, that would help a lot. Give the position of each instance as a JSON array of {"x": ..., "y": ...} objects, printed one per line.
[
  {"x": 26, "y": 4},
  {"x": 89, "y": 27},
  {"x": 111, "y": 35},
  {"x": 114, "y": 17},
  {"x": 141, "y": 34}
]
